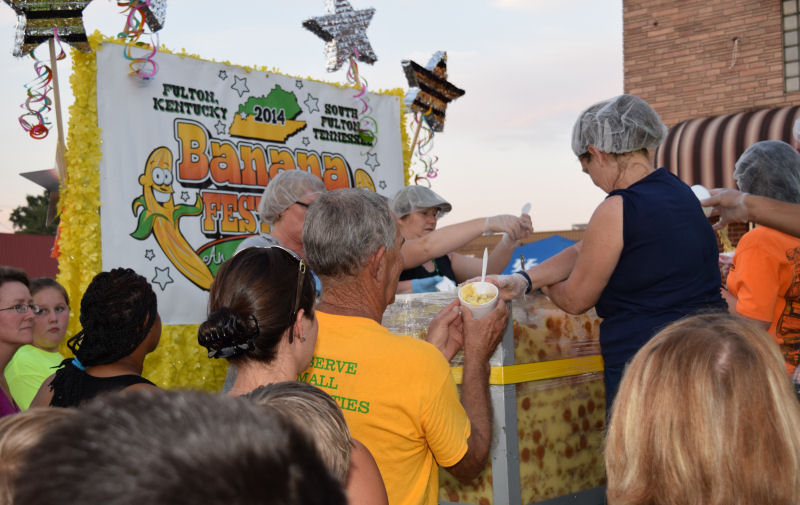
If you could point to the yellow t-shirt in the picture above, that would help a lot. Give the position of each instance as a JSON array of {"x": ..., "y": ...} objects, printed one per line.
[{"x": 399, "y": 399}]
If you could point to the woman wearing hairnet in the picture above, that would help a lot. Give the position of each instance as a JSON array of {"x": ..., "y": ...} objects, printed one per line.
[
  {"x": 764, "y": 279},
  {"x": 287, "y": 197},
  {"x": 648, "y": 256},
  {"x": 418, "y": 209},
  {"x": 283, "y": 207}
]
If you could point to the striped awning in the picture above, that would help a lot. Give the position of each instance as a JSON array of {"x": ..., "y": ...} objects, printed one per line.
[{"x": 704, "y": 150}]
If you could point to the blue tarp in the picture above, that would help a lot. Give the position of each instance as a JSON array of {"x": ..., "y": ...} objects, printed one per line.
[{"x": 536, "y": 252}]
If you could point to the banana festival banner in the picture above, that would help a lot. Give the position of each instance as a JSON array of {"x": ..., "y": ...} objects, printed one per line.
[{"x": 187, "y": 154}]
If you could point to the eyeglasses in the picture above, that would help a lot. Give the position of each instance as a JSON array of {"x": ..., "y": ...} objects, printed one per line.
[
  {"x": 303, "y": 204},
  {"x": 22, "y": 308}
]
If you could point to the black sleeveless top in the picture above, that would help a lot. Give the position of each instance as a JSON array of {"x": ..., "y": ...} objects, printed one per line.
[
  {"x": 91, "y": 386},
  {"x": 441, "y": 266}
]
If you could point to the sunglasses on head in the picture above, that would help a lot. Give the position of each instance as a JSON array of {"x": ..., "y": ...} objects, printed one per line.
[{"x": 301, "y": 272}]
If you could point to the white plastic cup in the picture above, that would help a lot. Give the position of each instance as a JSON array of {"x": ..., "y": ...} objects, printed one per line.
[
  {"x": 702, "y": 194},
  {"x": 480, "y": 310},
  {"x": 725, "y": 262}
]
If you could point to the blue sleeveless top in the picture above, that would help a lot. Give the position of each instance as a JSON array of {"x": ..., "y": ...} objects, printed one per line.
[
  {"x": 668, "y": 267},
  {"x": 442, "y": 266}
]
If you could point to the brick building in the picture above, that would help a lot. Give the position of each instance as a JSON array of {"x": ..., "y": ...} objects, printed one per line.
[
  {"x": 722, "y": 75},
  {"x": 697, "y": 58}
]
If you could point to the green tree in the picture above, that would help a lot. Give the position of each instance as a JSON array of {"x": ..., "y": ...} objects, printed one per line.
[{"x": 32, "y": 217}]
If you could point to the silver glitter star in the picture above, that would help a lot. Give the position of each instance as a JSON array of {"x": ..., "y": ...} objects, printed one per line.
[
  {"x": 223, "y": 75},
  {"x": 220, "y": 126},
  {"x": 344, "y": 31},
  {"x": 155, "y": 14},
  {"x": 149, "y": 254}
]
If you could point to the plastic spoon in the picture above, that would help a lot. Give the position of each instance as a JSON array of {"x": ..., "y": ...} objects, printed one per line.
[
  {"x": 526, "y": 209},
  {"x": 485, "y": 262}
]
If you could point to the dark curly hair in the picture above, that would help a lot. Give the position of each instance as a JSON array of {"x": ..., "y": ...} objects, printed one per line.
[
  {"x": 118, "y": 310},
  {"x": 251, "y": 304}
]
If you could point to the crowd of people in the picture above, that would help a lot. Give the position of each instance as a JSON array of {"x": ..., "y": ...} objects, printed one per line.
[{"x": 700, "y": 406}]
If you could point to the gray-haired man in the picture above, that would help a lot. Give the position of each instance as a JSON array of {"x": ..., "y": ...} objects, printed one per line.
[{"x": 397, "y": 393}]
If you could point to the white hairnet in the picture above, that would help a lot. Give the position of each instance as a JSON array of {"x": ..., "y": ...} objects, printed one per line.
[
  {"x": 286, "y": 188},
  {"x": 412, "y": 198},
  {"x": 622, "y": 124},
  {"x": 770, "y": 168}
]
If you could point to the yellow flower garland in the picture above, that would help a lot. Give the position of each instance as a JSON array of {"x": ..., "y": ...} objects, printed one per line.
[{"x": 178, "y": 362}]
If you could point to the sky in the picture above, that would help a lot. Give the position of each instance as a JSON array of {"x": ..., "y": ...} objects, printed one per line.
[{"x": 528, "y": 68}]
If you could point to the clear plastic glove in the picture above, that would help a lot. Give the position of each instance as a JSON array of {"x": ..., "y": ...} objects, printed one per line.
[
  {"x": 515, "y": 227},
  {"x": 425, "y": 285},
  {"x": 509, "y": 286},
  {"x": 728, "y": 204}
]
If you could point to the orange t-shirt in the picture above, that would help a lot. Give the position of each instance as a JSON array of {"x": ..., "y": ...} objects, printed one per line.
[{"x": 765, "y": 278}]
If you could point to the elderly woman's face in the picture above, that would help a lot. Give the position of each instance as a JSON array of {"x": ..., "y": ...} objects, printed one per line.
[
  {"x": 15, "y": 328},
  {"x": 603, "y": 169},
  {"x": 419, "y": 223},
  {"x": 294, "y": 216}
]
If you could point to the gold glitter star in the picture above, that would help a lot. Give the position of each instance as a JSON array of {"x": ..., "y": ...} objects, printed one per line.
[{"x": 431, "y": 91}]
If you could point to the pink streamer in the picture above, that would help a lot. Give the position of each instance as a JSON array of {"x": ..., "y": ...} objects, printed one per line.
[
  {"x": 38, "y": 102},
  {"x": 422, "y": 149},
  {"x": 144, "y": 67}
]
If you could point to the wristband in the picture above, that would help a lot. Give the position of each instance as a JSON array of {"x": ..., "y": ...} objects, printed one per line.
[{"x": 528, "y": 279}]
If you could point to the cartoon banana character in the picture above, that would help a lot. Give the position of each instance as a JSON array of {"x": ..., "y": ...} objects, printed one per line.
[{"x": 159, "y": 216}]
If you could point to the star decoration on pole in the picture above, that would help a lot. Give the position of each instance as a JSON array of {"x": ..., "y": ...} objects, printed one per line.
[
  {"x": 48, "y": 179},
  {"x": 344, "y": 31},
  {"x": 36, "y": 19},
  {"x": 430, "y": 90},
  {"x": 155, "y": 14}
]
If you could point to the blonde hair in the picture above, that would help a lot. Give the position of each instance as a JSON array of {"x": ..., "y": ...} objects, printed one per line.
[
  {"x": 705, "y": 414},
  {"x": 18, "y": 433},
  {"x": 315, "y": 413}
]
